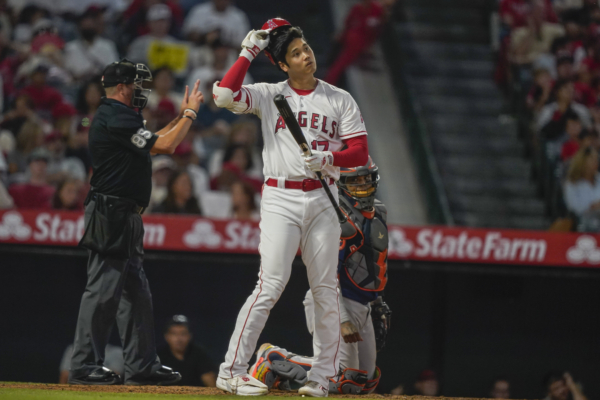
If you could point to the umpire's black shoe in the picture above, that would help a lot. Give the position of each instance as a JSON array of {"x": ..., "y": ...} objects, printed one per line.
[
  {"x": 163, "y": 377},
  {"x": 102, "y": 376}
]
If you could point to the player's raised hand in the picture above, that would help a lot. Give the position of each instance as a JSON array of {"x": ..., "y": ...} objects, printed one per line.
[
  {"x": 254, "y": 43},
  {"x": 350, "y": 333},
  {"x": 192, "y": 100},
  {"x": 318, "y": 160}
]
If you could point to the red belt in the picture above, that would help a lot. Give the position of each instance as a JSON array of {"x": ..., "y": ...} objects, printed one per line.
[{"x": 305, "y": 185}]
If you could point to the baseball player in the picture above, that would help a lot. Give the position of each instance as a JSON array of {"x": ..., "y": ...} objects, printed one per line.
[
  {"x": 362, "y": 271},
  {"x": 295, "y": 211}
]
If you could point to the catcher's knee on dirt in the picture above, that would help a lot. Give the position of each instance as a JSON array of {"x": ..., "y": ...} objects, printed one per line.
[
  {"x": 351, "y": 381},
  {"x": 371, "y": 384},
  {"x": 288, "y": 375}
]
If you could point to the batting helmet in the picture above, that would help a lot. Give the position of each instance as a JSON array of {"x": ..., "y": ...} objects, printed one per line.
[
  {"x": 274, "y": 24},
  {"x": 362, "y": 190}
]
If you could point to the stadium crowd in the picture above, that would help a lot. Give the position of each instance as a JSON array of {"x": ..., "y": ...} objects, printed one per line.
[
  {"x": 549, "y": 64},
  {"x": 51, "y": 60}
]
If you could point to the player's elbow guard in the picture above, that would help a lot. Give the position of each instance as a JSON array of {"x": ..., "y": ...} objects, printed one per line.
[{"x": 222, "y": 96}]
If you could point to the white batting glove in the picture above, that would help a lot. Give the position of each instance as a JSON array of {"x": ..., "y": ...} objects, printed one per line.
[
  {"x": 318, "y": 160},
  {"x": 254, "y": 43}
]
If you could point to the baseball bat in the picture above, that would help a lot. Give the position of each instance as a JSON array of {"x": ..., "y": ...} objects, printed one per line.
[{"x": 290, "y": 121}]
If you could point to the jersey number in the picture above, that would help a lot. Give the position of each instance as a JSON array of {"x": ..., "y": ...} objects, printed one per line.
[
  {"x": 139, "y": 139},
  {"x": 320, "y": 145}
]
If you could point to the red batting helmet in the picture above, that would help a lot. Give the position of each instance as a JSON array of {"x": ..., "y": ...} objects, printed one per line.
[{"x": 273, "y": 24}]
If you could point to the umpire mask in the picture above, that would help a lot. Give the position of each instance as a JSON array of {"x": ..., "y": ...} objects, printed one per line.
[
  {"x": 126, "y": 72},
  {"x": 360, "y": 184}
]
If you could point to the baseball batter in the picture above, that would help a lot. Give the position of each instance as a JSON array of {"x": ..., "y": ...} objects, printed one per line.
[
  {"x": 365, "y": 317},
  {"x": 295, "y": 211}
]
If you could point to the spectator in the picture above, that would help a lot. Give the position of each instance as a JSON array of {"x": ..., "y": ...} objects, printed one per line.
[
  {"x": 564, "y": 67},
  {"x": 136, "y": 15},
  {"x": 60, "y": 166},
  {"x": 362, "y": 28},
  {"x": 244, "y": 134},
  {"x": 180, "y": 198},
  {"x": 539, "y": 94},
  {"x": 237, "y": 161},
  {"x": 30, "y": 137},
  {"x": 113, "y": 359},
  {"x": 63, "y": 116},
  {"x": 242, "y": 201},
  {"x": 163, "y": 82},
  {"x": 36, "y": 193},
  {"x": 197, "y": 369},
  {"x": 209, "y": 113},
  {"x": 28, "y": 16},
  {"x": 531, "y": 41},
  {"x": 500, "y": 389},
  {"x": 156, "y": 47},
  {"x": 582, "y": 189},
  {"x": 560, "y": 386},
  {"x": 427, "y": 383},
  {"x": 216, "y": 19},
  {"x": 87, "y": 56},
  {"x": 43, "y": 96},
  {"x": 573, "y": 132},
  {"x": 186, "y": 159},
  {"x": 21, "y": 111},
  {"x": 514, "y": 13},
  {"x": 397, "y": 391},
  {"x": 68, "y": 196},
  {"x": 88, "y": 100},
  {"x": 162, "y": 169},
  {"x": 78, "y": 147},
  {"x": 551, "y": 121}
]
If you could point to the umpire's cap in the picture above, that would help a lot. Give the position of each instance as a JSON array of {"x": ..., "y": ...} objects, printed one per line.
[
  {"x": 177, "y": 320},
  {"x": 123, "y": 71}
]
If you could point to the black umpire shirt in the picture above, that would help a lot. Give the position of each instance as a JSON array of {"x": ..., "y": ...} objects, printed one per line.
[{"x": 120, "y": 147}]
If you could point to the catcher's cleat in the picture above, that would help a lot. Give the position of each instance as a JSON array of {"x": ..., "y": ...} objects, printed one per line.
[{"x": 261, "y": 362}]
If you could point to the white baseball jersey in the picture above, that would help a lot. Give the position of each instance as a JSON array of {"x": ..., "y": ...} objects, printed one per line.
[{"x": 327, "y": 116}]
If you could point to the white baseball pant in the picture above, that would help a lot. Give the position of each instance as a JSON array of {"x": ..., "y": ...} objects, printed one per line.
[{"x": 291, "y": 218}]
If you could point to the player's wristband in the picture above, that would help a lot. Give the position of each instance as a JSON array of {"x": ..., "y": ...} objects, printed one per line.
[
  {"x": 187, "y": 116},
  {"x": 192, "y": 111}
]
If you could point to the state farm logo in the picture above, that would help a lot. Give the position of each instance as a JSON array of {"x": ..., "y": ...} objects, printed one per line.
[
  {"x": 202, "y": 234},
  {"x": 399, "y": 244},
  {"x": 12, "y": 226},
  {"x": 432, "y": 243},
  {"x": 585, "y": 249}
]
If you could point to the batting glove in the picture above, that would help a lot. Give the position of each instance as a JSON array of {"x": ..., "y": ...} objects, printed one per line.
[
  {"x": 319, "y": 160},
  {"x": 254, "y": 43}
]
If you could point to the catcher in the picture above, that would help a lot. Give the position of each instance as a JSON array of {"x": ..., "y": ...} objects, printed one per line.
[{"x": 365, "y": 317}]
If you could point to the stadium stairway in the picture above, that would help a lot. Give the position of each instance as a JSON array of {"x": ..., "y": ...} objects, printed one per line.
[{"x": 448, "y": 65}]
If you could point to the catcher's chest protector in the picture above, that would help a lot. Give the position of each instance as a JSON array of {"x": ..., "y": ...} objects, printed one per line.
[{"x": 365, "y": 254}]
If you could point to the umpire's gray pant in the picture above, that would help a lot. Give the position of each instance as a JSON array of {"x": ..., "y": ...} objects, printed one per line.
[{"x": 117, "y": 290}]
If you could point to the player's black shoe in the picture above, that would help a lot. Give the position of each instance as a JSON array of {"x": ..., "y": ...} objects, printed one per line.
[
  {"x": 102, "y": 376},
  {"x": 163, "y": 377}
]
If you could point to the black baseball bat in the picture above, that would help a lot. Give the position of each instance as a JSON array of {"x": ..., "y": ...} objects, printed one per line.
[{"x": 292, "y": 124}]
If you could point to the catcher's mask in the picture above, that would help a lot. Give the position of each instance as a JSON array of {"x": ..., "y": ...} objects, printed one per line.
[
  {"x": 360, "y": 183},
  {"x": 127, "y": 72}
]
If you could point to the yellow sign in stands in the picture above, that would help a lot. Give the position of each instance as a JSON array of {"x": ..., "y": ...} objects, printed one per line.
[{"x": 168, "y": 54}]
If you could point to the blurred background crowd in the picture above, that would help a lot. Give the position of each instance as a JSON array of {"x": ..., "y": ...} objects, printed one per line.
[
  {"x": 51, "y": 60},
  {"x": 549, "y": 67}
]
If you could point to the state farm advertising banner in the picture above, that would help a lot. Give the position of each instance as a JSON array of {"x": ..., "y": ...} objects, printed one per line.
[{"x": 428, "y": 243}]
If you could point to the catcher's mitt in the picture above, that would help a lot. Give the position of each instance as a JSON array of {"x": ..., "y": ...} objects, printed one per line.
[{"x": 381, "y": 315}]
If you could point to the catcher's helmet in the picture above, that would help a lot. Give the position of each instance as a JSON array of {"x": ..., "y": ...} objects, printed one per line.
[
  {"x": 362, "y": 190},
  {"x": 274, "y": 24}
]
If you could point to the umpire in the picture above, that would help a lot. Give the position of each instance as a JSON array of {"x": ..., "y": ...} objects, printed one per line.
[{"x": 117, "y": 288}]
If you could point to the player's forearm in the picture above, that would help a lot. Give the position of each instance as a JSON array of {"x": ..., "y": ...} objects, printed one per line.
[
  {"x": 356, "y": 154},
  {"x": 168, "y": 142},
  {"x": 234, "y": 77},
  {"x": 170, "y": 125}
]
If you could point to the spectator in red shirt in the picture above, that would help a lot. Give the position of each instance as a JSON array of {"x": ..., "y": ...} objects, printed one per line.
[
  {"x": 361, "y": 29},
  {"x": 243, "y": 205},
  {"x": 514, "y": 13},
  {"x": 36, "y": 193},
  {"x": 237, "y": 161},
  {"x": 540, "y": 91},
  {"x": 573, "y": 130},
  {"x": 44, "y": 97}
]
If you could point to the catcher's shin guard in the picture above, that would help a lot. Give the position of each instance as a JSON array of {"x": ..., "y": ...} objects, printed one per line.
[
  {"x": 371, "y": 385},
  {"x": 350, "y": 381}
]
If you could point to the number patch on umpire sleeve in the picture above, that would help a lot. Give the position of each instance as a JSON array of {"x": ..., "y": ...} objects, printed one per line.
[{"x": 139, "y": 139}]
